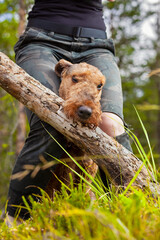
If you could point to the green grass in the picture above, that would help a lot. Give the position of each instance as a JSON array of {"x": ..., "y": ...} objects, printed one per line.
[
  {"x": 125, "y": 214},
  {"x": 75, "y": 216}
]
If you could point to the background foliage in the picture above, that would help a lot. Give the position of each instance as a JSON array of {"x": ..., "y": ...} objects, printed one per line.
[{"x": 137, "y": 55}]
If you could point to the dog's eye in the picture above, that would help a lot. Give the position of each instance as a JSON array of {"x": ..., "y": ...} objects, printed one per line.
[
  {"x": 74, "y": 79},
  {"x": 99, "y": 87}
]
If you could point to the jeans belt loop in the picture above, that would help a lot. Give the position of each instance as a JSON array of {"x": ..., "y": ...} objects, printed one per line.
[{"x": 77, "y": 32}]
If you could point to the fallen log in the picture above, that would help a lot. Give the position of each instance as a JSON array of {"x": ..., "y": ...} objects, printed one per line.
[{"x": 116, "y": 161}]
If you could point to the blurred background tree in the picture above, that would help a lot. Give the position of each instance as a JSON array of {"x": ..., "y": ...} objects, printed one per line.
[
  {"x": 137, "y": 55},
  {"x": 135, "y": 50},
  {"x": 13, "y": 119},
  {"x": 153, "y": 85}
]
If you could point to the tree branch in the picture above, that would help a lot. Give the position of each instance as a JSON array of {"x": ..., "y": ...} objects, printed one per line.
[{"x": 116, "y": 161}]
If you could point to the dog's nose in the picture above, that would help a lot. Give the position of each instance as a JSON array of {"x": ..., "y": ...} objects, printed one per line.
[{"x": 84, "y": 112}]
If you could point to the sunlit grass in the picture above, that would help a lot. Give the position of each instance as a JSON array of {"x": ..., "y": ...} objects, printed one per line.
[{"x": 75, "y": 216}]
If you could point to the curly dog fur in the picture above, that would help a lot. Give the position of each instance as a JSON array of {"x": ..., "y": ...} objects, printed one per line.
[{"x": 81, "y": 88}]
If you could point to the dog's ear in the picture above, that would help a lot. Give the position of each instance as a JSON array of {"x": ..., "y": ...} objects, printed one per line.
[{"x": 62, "y": 65}]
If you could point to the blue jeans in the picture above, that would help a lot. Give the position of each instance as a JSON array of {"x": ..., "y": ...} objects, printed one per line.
[{"x": 37, "y": 52}]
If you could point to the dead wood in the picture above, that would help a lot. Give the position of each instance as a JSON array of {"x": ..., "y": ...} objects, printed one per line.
[{"x": 117, "y": 162}]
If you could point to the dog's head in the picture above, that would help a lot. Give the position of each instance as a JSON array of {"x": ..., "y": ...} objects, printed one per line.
[{"x": 81, "y": 88}]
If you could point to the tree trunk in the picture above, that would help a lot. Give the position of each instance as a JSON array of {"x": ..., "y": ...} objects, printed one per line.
[
  {"x": 157, "y": 66},
  {"x": 116, "y": 161},
  {"x": 21, "y": 125}
]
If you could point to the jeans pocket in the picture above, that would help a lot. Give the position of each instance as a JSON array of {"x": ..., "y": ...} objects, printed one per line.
[
  {"x": 29, "y": 35},
  {"x": 110, "y": 45}
]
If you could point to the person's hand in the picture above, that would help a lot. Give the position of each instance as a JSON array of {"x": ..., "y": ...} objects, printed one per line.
[{"x": 111, "y": 0}]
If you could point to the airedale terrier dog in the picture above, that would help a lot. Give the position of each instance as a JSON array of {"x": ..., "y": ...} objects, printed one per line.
[{"x": 81, "y": 88}]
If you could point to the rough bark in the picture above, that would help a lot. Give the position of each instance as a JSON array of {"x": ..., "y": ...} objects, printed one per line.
[{"x": 120, "y": 164}]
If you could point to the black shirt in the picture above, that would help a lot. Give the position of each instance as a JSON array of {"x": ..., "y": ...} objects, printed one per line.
[{"x": 83, "y": 13}]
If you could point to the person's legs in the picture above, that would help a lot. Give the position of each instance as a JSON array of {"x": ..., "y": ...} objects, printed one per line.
[{"x": 39, "y": 62}]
